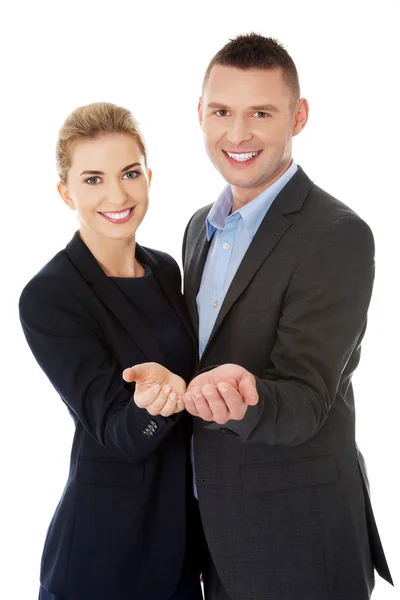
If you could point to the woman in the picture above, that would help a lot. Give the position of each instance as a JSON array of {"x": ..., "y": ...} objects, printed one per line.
[{"x": 126, "y": 527}]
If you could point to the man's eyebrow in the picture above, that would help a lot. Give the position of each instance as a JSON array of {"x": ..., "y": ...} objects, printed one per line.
[
  {"x": 265, "y": 108},
  {"x": 258, "y": 107},
  {"x": 218, "y": 105},
  {"x": 92, "y": 172}
]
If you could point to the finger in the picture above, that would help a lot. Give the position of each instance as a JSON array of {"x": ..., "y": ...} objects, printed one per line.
[
  {"x": 202, "y": 406},
  {"x": 216, "y": 403},
  {"x": 180, "y": 404},
  {"x": 233, "y": 400},
  {"x": 156, "y": 407},
  {"x": 138, "y": 373},
  {"x": 129, "y": 374},
  {"x": 170, "y": 405},
  {"x": 189, "y": 404},
  {"x": 144, "y": 399},
  {"x": 233, "y": 382},
  {"x": 149, "y": 372},
  {"x": 248, "y": 390}
]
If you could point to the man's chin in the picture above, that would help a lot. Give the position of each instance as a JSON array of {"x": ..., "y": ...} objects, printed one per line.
[{"x": 240, "y": 181}]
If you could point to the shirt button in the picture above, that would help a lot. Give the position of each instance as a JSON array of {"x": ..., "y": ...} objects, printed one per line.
[
  {"x": 226, "y": 246},
  {"x": 215, "y": 304}
]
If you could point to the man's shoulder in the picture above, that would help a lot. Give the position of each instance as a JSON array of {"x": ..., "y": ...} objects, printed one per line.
[
  {"x": 314, "y": 202},
  {"x": 198, "y": 220},
  {"x": 322, "y": 209},
  {"x": 331, "y": 203}
]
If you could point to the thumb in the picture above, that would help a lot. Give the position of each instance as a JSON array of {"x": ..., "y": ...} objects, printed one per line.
[
  {"x": 136, "y": 373},
  {"x": 248, "y": 389}
]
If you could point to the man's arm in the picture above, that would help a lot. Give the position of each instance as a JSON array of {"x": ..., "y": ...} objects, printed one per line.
[{"x": 322, "y": 323}]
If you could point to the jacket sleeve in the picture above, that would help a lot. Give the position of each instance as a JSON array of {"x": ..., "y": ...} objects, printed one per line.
[
  {"x": 318, "y": 338},
  {"x": 67, "y": 343}
]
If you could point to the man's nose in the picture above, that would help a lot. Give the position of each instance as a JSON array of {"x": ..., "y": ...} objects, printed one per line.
[{"x": 238, "y": 132}]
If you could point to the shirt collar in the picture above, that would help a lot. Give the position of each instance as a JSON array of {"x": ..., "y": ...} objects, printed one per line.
[{"x": 252, "y": 213}]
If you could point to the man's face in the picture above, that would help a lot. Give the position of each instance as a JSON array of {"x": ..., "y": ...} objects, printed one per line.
[{"x": 248, "y": 119}]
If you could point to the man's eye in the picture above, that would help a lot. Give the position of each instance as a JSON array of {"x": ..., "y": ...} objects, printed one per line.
[
  {"x": 92, "y": 180},
  {"x": 221, "y": 113},
  {"x": 131, "y": 175},
  {"x": 261, "y": 114}
]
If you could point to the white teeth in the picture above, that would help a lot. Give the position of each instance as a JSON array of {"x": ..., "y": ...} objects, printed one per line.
[
  {"x": 242, "y": 157},
  {"x": 117, "y": 216}
]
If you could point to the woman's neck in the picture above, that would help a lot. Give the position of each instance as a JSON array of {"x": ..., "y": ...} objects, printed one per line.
[{"x": 116, "y": 257}]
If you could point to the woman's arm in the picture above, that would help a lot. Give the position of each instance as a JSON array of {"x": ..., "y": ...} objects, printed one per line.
[{"x": 66, "y": 342}]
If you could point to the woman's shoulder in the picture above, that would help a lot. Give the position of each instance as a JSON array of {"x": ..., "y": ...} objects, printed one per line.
[
  {"x": 51, "y": 282},
  {"x": 159, "y": 257}
]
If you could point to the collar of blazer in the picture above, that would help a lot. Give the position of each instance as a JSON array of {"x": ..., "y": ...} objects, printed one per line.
[
  {"x": 113, "y": 298},
  {"x": 273, "y": 227}
]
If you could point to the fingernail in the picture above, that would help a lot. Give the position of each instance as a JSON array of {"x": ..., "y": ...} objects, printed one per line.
[
  {"x": 172, "y": 396},
  {"x": 156, "y": 389},
  {"x": 221, "y": 388}
]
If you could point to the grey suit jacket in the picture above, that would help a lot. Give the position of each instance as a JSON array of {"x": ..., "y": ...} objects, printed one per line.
[{"x": 283, "y": 493}]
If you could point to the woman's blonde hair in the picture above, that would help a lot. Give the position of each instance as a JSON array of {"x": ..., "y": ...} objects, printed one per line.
[{"x": 90, "y": 122}]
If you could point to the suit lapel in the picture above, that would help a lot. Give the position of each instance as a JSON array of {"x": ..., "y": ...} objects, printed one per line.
[
  {"x": 272, "y": 229},
  {"x": 172, "y": 292},
  {"x": 111, "y": 297},
  {"x": 268, "y": 235},
  {"x": 193, "y": 274}
]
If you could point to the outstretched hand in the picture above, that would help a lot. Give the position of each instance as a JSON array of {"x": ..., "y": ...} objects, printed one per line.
[
  {"x": 157, "y": 390},
  {"x": 222, "y": 394}
]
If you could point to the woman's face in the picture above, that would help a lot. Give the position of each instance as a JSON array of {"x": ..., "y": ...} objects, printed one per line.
[{"x": 108, "y": 186}]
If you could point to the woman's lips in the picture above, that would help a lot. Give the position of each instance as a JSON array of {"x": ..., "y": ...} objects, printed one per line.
[{"x": 118, "y": 217}]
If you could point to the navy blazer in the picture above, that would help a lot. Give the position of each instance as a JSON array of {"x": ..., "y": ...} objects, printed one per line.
[{"x": 120, "y": 529}]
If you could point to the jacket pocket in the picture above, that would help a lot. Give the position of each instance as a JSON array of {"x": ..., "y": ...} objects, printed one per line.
[
  {"x": 267, "y": 477},
  {"x": 109, "y": 473}
]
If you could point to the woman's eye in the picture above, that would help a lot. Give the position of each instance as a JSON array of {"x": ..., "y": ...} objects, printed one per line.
[
  {"x": 131, "y": 175},
  {"x": 92, "y": 180}
]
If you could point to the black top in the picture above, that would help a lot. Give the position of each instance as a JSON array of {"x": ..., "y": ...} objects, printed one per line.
[{"x": 147, "y": 297}]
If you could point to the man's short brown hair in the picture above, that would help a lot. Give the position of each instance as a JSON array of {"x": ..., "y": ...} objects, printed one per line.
[{"x": 254, "y": 51}]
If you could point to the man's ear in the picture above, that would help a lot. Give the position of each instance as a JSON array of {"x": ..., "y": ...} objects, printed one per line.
[
  {"x": 63, "y": 191},
  {"x": 300, "y": 116},
  {"x": 200, "y": 111}
]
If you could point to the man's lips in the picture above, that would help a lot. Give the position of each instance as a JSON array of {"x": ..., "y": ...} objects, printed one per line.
[{"x": 242, "y": 159}]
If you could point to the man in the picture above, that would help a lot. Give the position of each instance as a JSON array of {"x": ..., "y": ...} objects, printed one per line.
[{"x": 278, "y": 279}]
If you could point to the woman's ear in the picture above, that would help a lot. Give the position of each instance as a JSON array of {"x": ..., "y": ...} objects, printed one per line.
[
  {"x": 150, "y": 175},
  {"x": 63, "y": 191}
]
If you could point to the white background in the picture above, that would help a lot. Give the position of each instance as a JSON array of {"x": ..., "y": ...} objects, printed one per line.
[{"x": 151, "y": 58}]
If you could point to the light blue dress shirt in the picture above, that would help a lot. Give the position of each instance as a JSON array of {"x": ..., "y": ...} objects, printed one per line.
[{"x": 231, "y": 235}]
